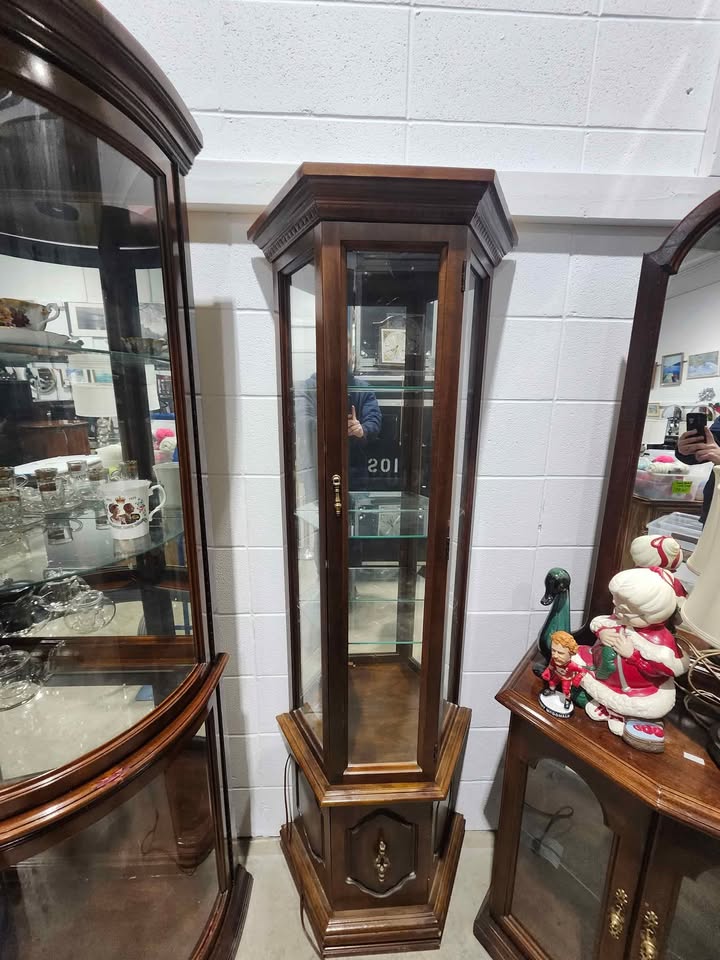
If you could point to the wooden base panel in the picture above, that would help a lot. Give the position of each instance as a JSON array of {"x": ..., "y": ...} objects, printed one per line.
[
  {"x": 226, "y": 941},
  {"x": 492, "y": 937},
  {"x": 373, "y": 930}
]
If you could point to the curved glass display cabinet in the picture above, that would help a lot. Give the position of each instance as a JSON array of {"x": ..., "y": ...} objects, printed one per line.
[
  {"x": 383, "y": 278},
  {"x": 111, "y": 755}
]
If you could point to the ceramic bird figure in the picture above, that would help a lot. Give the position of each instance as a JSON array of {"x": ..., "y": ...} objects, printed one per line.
[{"x": 557, "y": 593}]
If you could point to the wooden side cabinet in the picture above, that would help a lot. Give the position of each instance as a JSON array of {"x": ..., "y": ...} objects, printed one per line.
[{"x": 602, "y": 852}]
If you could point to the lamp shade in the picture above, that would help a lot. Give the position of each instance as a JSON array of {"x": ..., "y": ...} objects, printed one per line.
[
  {"x": 709, "y": 542},
  {"x": 701, "y": 610},
  {"x": 98, "y": 399}
]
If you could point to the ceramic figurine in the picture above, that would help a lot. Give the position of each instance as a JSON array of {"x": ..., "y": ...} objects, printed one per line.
[
  {"x": 630, "y": 671},
  {"x": 563, "y": 672},
  {"x": 663, "y": 552},
  {"x": 557, "y": 593}
]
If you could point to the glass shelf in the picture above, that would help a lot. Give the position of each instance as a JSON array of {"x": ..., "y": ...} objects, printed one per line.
[
  {"x": 76, "y": 713},
  {"x": 392, "y": 516},
  {"x": 393, "y": 388},
  {"x": 17, "y": 354},
  {"x": 77, "y": 541},
  {"x": 380, "y": 515}
]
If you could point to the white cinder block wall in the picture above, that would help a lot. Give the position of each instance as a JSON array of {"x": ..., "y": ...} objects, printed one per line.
[{"x": 601, "y": 86}]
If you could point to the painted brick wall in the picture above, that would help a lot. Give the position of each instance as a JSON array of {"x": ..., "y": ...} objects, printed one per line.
[
  {"x": 571, "y": 85},
  {"x": 540, "y": 85}
]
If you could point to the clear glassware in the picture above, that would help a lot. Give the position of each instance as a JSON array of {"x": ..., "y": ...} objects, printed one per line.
[
  {"x": 22, "y": 675},
  {"x": 58, "y": 594},
  {"x": 90, "y": 610},
  {"x": 20, "y": 617},
  {"x": 11, "y": 508},
  {"x": 52, "y": 494}
]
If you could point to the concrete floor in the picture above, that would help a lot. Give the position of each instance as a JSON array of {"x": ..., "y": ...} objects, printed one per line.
[{"x": 273, "y": 930}]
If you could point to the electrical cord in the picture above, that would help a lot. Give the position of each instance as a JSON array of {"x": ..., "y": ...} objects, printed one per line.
[
  {"x": 289, "y": 828},
  {"x": 704, "y": 665},
  {"x": 562, "y": 813}
]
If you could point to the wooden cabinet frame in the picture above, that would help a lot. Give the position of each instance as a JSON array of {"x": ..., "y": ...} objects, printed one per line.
[{"x": 350, "y": 814}]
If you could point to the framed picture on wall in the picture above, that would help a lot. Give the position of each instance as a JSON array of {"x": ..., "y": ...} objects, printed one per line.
[
  {"x": 671, "y": 369},
  {"x": 654, "y": 411},
  {"x": 702, "y": 365},
  {"x": 86, "y": 319}
]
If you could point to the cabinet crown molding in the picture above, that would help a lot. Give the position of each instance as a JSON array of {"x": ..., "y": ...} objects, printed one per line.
[{"x": 378, "y": 193}]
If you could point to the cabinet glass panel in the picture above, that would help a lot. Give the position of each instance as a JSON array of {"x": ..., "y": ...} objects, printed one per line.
[
  {"x": 96, "y": 626},
  {"x": 695, "y": 930},
  {"x": 88, "y": 895},
  {"x": 306, "y": 552},
  {"x": 562, "y": 862},
  {"x": 392, "y": 324},
  {"x": 458, "y": 519}
]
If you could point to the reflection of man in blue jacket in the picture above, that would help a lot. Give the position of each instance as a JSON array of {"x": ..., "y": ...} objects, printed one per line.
[
  {"x": 694, "y": 449},
  {"x": 364, "y": 423}
]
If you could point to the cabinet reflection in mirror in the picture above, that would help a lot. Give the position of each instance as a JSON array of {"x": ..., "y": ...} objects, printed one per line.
[
  {"x": 665, "y": 464},
  {"x": 91, "y": 571},
  {"x": 672, "y": 487}
]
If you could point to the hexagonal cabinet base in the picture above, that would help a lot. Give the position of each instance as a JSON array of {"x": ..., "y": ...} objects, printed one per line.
[{"x": 377, "y": 847}]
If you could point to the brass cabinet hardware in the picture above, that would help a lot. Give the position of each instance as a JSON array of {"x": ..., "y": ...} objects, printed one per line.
[
  {"x": 382, "y": 861},
  {"x": 336, "y": 482},
  {"x": 616, "y": 918},
  {"x": 648, "y": 936}
]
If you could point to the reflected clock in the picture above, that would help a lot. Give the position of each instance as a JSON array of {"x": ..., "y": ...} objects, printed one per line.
[{"x": 392, "y": 345}]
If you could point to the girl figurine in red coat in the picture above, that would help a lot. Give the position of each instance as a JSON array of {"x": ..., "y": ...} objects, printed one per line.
[
  {"x": 561, "y": 672},
  {"x": 631, "y": 670}
]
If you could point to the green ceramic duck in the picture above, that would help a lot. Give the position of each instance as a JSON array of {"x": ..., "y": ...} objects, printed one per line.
[{"x": 557, "y": 593}]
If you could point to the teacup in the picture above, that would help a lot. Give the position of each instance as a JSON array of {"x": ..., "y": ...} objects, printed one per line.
[
  {"x": 127, "y": 506},
  {"x": 36, "y": 315}
]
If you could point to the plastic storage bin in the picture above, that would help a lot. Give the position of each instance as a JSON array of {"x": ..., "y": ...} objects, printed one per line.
[
  {"x": 668, "y": 486},
  {"x": 685, "y": 528}
]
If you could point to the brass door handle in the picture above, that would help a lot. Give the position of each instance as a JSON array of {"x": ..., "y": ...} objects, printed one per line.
[
  {"x": 616, "y": 917},
  {"x": 648, "y": 936},
  {"x": 336, "y": 482}
]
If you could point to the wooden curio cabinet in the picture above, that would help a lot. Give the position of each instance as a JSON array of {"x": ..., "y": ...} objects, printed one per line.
[
  {"x": 382, "y": 283},
  {"x": 603, "y": 852},
  {"x": 115, "y": 835}
]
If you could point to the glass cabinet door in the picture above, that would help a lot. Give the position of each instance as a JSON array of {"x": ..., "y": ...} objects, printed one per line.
[
  {"x": 391, "y": 346},
  {"x": 562, "y": 863},
  {"x": 568, "y": 856},
  {"x": 678, "y": 916},
  {"x": 96, "y": 619},
  {"x": 305, "y": 552}
]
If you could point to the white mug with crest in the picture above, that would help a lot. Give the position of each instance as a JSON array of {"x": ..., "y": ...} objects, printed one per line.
[{"x": 126, "y": 505}]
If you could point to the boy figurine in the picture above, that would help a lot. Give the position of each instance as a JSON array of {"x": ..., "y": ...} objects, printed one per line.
[{"x": 562, "y": 671}]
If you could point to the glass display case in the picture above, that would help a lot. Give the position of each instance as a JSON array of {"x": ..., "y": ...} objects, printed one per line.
[
  {"x": 383, "y": 278},
  {"x": 109, "y": 731}
]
